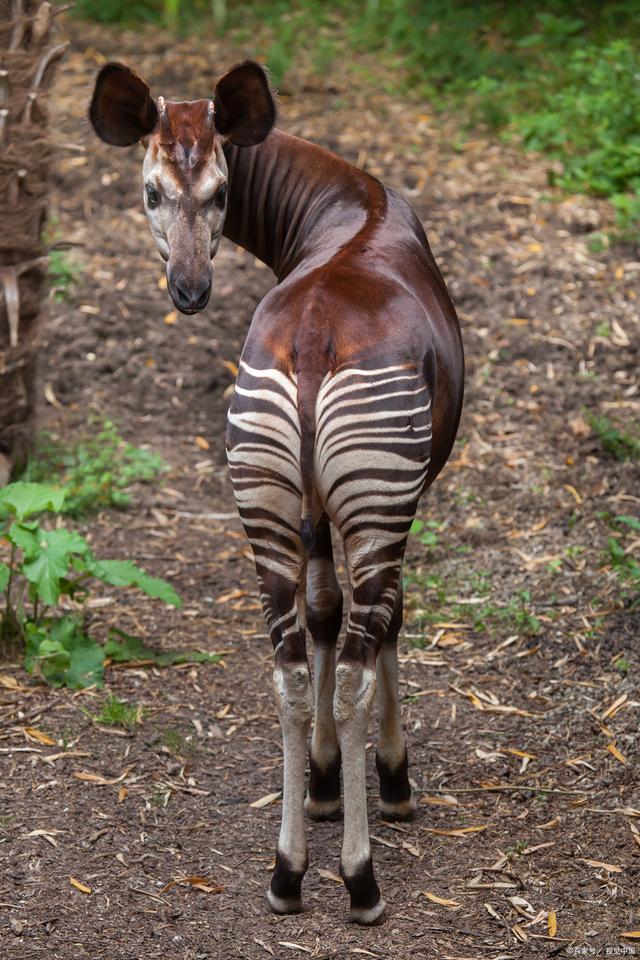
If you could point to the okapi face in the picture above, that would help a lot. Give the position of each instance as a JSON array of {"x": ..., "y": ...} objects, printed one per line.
[{"x": 184, "y": 169}]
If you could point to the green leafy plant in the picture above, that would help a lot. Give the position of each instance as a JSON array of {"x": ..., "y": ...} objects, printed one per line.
[
  {"x": 623, "y": 557},
  {"x": 621, "y": 444},
  {"x": 95, "y": 472},
  {"x": 43, "y": 567},
  {"x": 63, "y": 274},
  {"x": 426, "y": 531}
]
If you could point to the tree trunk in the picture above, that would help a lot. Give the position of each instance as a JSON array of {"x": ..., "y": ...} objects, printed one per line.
[{"x": 27, "y": 58}]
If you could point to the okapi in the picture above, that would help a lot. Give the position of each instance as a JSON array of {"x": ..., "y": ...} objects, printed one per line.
[{"x": 345, "y": 410}]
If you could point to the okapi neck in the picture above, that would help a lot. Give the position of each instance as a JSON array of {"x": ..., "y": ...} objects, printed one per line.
[{"x": 292, "y": 201}]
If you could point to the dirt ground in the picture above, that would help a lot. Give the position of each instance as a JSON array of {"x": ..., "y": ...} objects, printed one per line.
[{"x": 520, "y": 653}]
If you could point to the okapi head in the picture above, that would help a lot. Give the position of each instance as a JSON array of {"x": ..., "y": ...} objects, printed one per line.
[{"x": 184, "y": 169}]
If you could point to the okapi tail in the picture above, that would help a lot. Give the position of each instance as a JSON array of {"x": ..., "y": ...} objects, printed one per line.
[{"x": 308, "y": 387}]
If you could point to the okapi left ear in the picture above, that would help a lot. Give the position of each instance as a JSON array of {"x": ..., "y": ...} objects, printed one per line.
[
  {"x": 122, "y": 111},
  {"x": 244, "y": 105}
]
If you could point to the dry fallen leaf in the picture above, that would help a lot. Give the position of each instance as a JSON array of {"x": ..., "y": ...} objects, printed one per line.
[
  {"x": 444, "y": 800},
  {"x": 202, "y": 443},
  {"x": 79, "y": 886},
  {"x": 265, "y": 801},
  {"x": 328, "y": 875},
  {"x": 88, "y": 777},
  {"x": 615, "y": 706},
  {"x": 613, "y": 750},
  {"x": 434, "y": 898},
  {"x": 48, "y": 835},
  {"x": 552, "y": 923},
  {"x": 171, "y": 317},
  {"x": 600, "y": 865},
  {"x": 231, "y": 595},
  {"x": 10, "y": 683},
  {"x": 294, "y": 946},
  {"x": 631, "y": 935},
  {"x": 411, "y": 848},
  {"x": 33, "y": 734},
  {"x": 459, "y": 832}
]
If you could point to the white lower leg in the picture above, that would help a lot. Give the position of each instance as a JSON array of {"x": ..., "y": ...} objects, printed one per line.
[
  {"x": 295, "y": 702},
  {"x": 355, "y": 691}
]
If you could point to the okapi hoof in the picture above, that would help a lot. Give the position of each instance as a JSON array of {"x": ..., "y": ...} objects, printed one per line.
[
  {"x": 369, "y": 918},
  {"x": 285, "y": 892},
  {"x": 282, "y": 906},
  {"x": 394, "y": 812},
  {"x": 323, "y": 799},
  {"x": 367, "y": 906},
  {"x": 323, "y": 809},
  {"x": 397, "y": 801}
]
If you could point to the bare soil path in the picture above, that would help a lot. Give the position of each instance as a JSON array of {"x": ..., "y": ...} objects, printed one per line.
[{"x": 520, "y": 658}]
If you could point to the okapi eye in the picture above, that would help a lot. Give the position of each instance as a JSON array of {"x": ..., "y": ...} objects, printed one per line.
[
  {"x": 221, "y": 196},
  {"x": 153, "y": 196}
]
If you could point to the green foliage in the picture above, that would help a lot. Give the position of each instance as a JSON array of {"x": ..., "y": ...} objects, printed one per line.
[
  {"x": 121, "y": 648},
  {"x": 117, "y": 713},
  {"x": 96, "y": 471},
  {"x": 45, "y": 566},
  {"x": 621, "y": 444},
  {"x": 58, "y": 650},
  {"x": 63, "y": 274},
  {"x": 623, "y": 557},
  {"x": 426, "y": 531},
  {"x": 623, "y": 665},
  {"x": 562, "y": 77}
]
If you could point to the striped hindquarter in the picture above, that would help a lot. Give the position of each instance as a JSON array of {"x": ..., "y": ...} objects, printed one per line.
[{"x": 372, "y": 448}]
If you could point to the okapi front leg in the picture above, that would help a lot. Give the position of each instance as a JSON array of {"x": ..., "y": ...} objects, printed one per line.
[
  {"x": 396, "y": 797},
  {"x": 324, "y": 619}
]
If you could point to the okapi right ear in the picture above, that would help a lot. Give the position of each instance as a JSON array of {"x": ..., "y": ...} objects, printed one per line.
[
  {"x": 245, "y": 110},
  {"x": 122, "y": 111}
]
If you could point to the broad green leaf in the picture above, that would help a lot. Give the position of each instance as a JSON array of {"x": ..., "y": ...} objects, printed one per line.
[
  {"x": 25, "y": 499},
  {"x": 51, "y": 562},
  {"x": 5, "y": 573},
  {"x": 63, "y": 654},
  {"x": 27, "y": 536},
  {"x": 124, "y": 573},
  {"x": 125, "y": 649}
]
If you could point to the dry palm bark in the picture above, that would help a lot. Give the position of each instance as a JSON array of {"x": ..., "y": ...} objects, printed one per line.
[{"x": 27, "y": 58}]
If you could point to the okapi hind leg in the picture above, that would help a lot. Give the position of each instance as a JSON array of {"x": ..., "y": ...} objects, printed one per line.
[
  {"x": 374, "y": 580},
  {"x": 396, "y": 797},
  {"x": 324, "y": 619},
  {"x": 294, "y": 699}
]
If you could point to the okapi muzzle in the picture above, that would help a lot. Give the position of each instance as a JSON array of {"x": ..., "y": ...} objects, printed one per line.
[{"x": 184, "y": 170}]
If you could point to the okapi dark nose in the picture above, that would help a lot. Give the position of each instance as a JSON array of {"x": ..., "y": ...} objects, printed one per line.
[{"x": 189, "y": 297}]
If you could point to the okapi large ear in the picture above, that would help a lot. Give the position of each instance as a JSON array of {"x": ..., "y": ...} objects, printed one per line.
[
  {"x": 244, "y": 105},
  {"x": 122, "y": 110}
]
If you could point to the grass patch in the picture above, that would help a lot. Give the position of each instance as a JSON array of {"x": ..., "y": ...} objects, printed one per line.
[
  {"x": 64, "y": 271},
  {"x": 117, "y": 713},
  {"x": 621, "y": 444},
  {"x": 622, "y": 556}
]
